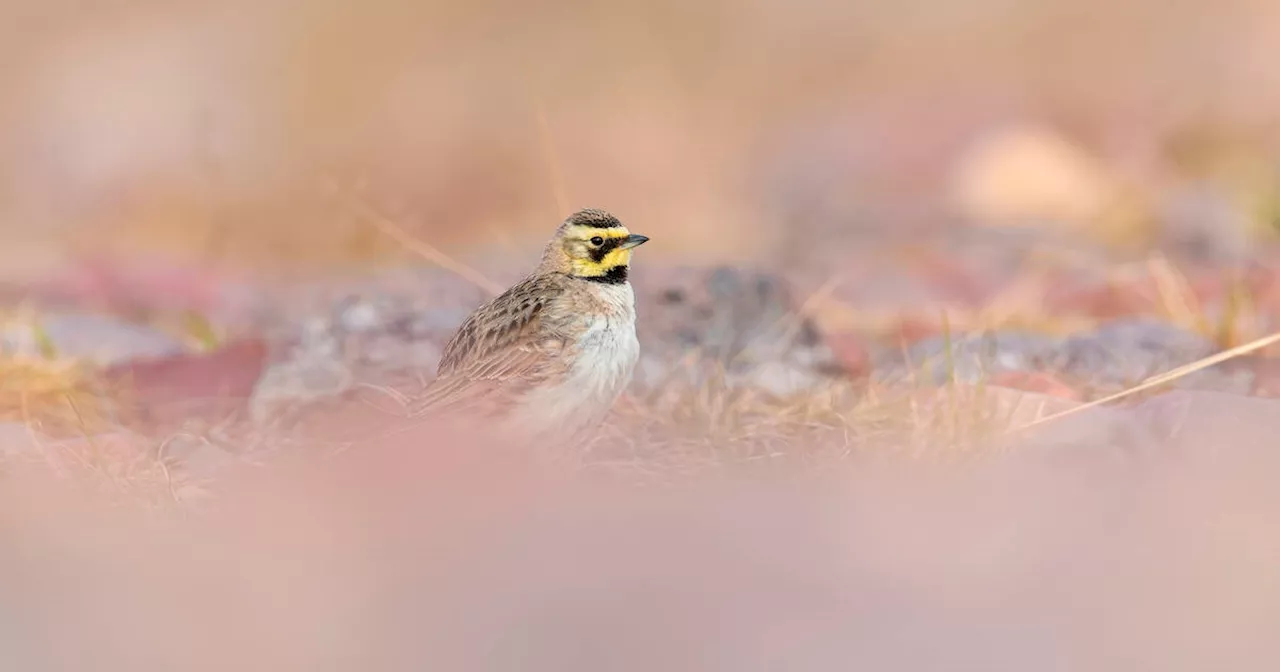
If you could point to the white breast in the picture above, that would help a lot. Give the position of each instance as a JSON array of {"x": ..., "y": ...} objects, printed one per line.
[{"x": 606, "y": 356}]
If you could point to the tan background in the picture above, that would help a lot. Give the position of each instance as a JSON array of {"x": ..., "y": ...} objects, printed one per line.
[{"x": 213, "y": 128}]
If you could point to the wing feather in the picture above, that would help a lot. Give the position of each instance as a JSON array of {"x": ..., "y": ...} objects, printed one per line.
[{"x": 503, "y": 349}]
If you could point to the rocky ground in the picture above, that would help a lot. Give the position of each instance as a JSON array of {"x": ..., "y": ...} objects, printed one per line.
[
  {"x": 908, "y": 349},
  {"x": 206, "y": 473},
  {"x": 278, "y": 528}
]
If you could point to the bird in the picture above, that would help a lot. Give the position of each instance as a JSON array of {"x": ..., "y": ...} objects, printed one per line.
[{"x": 548, "y": 357}]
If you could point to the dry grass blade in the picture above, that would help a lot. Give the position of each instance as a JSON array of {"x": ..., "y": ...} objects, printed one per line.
[
  {"x": 1176, "y": 295},
  {"x": 421, "y": 248},
  {"x": 1167, "y": 377}
]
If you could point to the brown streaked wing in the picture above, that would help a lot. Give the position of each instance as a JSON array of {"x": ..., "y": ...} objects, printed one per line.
[{"x": 501, "y": 350}]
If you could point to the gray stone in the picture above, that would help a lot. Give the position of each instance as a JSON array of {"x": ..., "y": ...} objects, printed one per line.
[
  {"x": 298, "y": 380},
  {"x": 1125, "y": 352},
  {"x": 735, "y": 325},
  {"x": 1118, "y": 354},
  {"x": 779, "y": 378},
  {"x": 971, "y": 358},
  {"x": 1227, "y": 377},
  {"x": 100, "y": 339},
  {"x": 356, "y": 315},
  {"x": 367, "y": 336}
]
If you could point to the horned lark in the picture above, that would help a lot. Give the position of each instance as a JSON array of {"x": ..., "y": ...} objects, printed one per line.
[{"x": 549, "y": 356}]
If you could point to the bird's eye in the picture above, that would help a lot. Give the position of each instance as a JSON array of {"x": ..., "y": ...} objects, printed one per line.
[{"x": 597, "y": 241}]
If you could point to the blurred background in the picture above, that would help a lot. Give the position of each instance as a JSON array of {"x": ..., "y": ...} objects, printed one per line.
[
  {"x": 1104, "y": 175},
  {"x": 239, "y": 133}
]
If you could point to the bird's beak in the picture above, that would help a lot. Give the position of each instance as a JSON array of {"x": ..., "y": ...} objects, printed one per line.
[{"x": 634, "y": 240}]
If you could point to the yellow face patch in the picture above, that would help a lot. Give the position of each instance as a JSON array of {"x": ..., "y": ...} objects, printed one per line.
[{"x": 593, "y": 252}]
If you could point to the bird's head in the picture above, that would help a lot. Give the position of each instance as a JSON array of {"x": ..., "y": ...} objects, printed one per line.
[{"x": 592, "y": 245}]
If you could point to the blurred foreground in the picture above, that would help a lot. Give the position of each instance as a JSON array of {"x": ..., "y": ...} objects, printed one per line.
[{"x": 444, "y": 553}]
